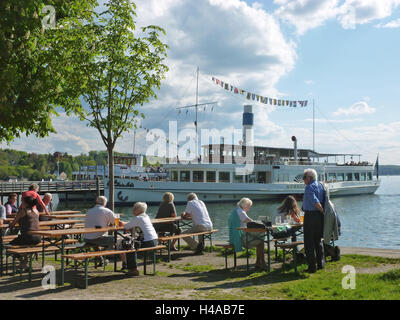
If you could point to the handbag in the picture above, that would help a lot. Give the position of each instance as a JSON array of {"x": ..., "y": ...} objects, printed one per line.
[
  {"x": 129, "y": 243},
  {"x": 282, "y": 232}
]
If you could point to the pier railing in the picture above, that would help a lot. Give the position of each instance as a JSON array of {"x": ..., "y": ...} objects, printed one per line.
[{"x": 7, "y": 188}]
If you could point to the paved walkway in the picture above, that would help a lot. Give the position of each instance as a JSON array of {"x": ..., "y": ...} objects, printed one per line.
[{"x": 386, "y": 253}]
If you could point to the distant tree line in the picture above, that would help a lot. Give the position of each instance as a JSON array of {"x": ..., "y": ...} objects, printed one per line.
[
  {"x": 389, "y": 170},
  {"x": 35, "y": 167}
]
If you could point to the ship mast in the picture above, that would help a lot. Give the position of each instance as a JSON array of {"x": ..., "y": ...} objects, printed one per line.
[{"x": 197, "y": 106}]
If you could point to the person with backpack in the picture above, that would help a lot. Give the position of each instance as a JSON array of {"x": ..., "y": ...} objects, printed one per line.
[{"x": 313, "y": 200}]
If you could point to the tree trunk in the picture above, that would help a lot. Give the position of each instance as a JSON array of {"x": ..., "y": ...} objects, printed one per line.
[{"x": 111, "y": 179}]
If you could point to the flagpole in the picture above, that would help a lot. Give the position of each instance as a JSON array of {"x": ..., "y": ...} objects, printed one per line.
[{"x": 313, "y": 108}]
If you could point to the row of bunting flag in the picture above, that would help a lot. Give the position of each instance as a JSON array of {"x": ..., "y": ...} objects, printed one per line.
[
  {"x": 157, "y": 136},
  {"x": 259, "y": 98}
]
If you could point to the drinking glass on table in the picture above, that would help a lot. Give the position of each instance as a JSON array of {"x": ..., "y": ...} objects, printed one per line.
[
  {"x": 116, "y": 217},
  {"x": 278, "y": 220}
]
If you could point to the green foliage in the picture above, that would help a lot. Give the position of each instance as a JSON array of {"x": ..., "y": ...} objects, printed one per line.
[
  {"x": 116, "y": 69},
  {"x": 34, "y": 65},
  {"x": 35, "y": 167}
]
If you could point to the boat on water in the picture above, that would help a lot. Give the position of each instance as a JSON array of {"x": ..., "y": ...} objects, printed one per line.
[{"x": 228, "y": 172}]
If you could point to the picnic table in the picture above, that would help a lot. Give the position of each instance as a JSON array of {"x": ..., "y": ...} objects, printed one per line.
[
  {"x": 64, "y": 216},
  {"x": 57, "y": 238},
  {"x": 265, "y": 232}
]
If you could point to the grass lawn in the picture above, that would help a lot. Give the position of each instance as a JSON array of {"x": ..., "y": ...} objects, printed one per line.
[{"x": 188, "y": 276}]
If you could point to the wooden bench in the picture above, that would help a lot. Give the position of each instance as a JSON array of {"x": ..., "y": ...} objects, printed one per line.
[
  {"x": 29, "y": 251},
  {"x": 85, "y": 257},
  {"x": 279, "y": 241},
  {"x": 168, "y": 239},
  {"x": 227, "y": 247},
  {"x": 290, "y": 247}
]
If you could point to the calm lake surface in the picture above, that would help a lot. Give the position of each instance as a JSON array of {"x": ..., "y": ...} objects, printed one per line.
[{"x": 370, "y": 221}]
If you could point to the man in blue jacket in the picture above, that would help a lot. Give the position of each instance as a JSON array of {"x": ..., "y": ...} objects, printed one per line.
[{"x": 313, "y": 199}]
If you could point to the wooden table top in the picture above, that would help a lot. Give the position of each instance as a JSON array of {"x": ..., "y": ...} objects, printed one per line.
[
  {"x": 57, "y": 222},
  {"x": 72, "y": 231},
  {"x": 64, "y": 216},
  {"x": 298, "y": 225},
  {"x": 65, "y": 212},
  {"x": 166, "y": 220}
]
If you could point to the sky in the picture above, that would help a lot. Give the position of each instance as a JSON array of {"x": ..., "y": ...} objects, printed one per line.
[{"x": 340, "y": 55}]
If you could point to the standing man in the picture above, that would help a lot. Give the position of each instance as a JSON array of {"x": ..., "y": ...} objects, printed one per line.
[
  {"x": 313, "y": 221},
  {"x": 197, "y": 211}
]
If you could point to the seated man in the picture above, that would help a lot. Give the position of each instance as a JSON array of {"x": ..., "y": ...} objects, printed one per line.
[
  {"x": 102, "y": 217},
  {"x": 150, "y": 238},
  {"x": 48, "y": 205},
  {"x": 196, "y": 211}
]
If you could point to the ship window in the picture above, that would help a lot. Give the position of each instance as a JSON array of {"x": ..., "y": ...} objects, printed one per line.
[
  {"x": 237, "y": 178},
  {"x": 261, "y": 177},
  {"x": 332, "y": 177},
  {"x": 185, "y": 176},
  {"x": 174, "y": 175},
  {"x": 357, "y": 176},
  {"x": 340, "y": 177},
  {"x": 198, "y": 176},
  {"x": 210, "y": 176},
  {"x": 363, "y": 176},
  {"x": 369, "y": 176},
  {"x": 224, "y": 177},
  {"x": 348, "y": 177},
  {"x": 251, "y": 178}
]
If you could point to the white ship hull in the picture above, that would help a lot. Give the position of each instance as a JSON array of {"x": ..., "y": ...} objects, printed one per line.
[{"x": 129, "y": 191}]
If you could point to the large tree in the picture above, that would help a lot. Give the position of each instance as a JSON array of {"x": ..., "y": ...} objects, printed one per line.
[
  {"x": 122, "y": 70},
  {"x": 33, "y": 65}
]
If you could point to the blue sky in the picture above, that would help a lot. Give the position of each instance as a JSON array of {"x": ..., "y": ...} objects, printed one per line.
[{"x": 343, "y": 54}]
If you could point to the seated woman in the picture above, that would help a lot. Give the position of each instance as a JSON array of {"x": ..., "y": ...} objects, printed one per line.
[
  {"x": 28, "y": 219},
  {"x": 167, "y": 210},
  {"x": 239, "y": 218},
  {"x": 150, "y": 238},
  {"x": 288, "y": 208}
]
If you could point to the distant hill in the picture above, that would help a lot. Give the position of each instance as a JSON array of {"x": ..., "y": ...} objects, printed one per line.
[{"x": 389, "y": 170}]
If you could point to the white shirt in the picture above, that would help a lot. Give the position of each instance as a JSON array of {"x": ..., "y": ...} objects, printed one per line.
[
  {"x": 143, "y": 222},
  {"x": 98, "y": 216},
  {"x": 199, "y": 213},
  {"x": 243, "y": 217}
]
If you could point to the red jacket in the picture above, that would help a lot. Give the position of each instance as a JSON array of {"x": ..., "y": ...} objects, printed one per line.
[{"x": 34, "y": 195}]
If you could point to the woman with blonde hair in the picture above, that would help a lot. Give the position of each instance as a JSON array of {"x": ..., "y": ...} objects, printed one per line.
[
  {"x": 237, "y": 238},
  {"x": 167, "y": 210},
  {"x": 289, "y": 208}
]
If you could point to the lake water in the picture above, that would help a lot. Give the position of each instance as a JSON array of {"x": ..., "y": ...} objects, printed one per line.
[{"x": 367, "y": 221}]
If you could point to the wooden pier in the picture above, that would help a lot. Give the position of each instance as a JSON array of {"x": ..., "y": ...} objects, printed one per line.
[{"x": 66, "y": 187}]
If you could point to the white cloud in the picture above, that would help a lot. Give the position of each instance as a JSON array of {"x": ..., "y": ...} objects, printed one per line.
[
  {"x": 306, "y": 14},
  {"x": 358, "y": 108},
  {"x": 309, "y": 14},
  {"x": 392, "y": 24},
  {"x": 354, "y": 12}
]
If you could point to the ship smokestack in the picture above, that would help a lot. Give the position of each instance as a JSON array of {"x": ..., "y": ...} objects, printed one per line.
[
  {"x": 294, "y": 139},
  {"x": 248, "y": 121}
]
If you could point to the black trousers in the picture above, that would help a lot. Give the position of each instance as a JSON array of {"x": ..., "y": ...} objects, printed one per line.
[
  {"x": 313, "y": 231},
  {"x": 131, "y": 258}
]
